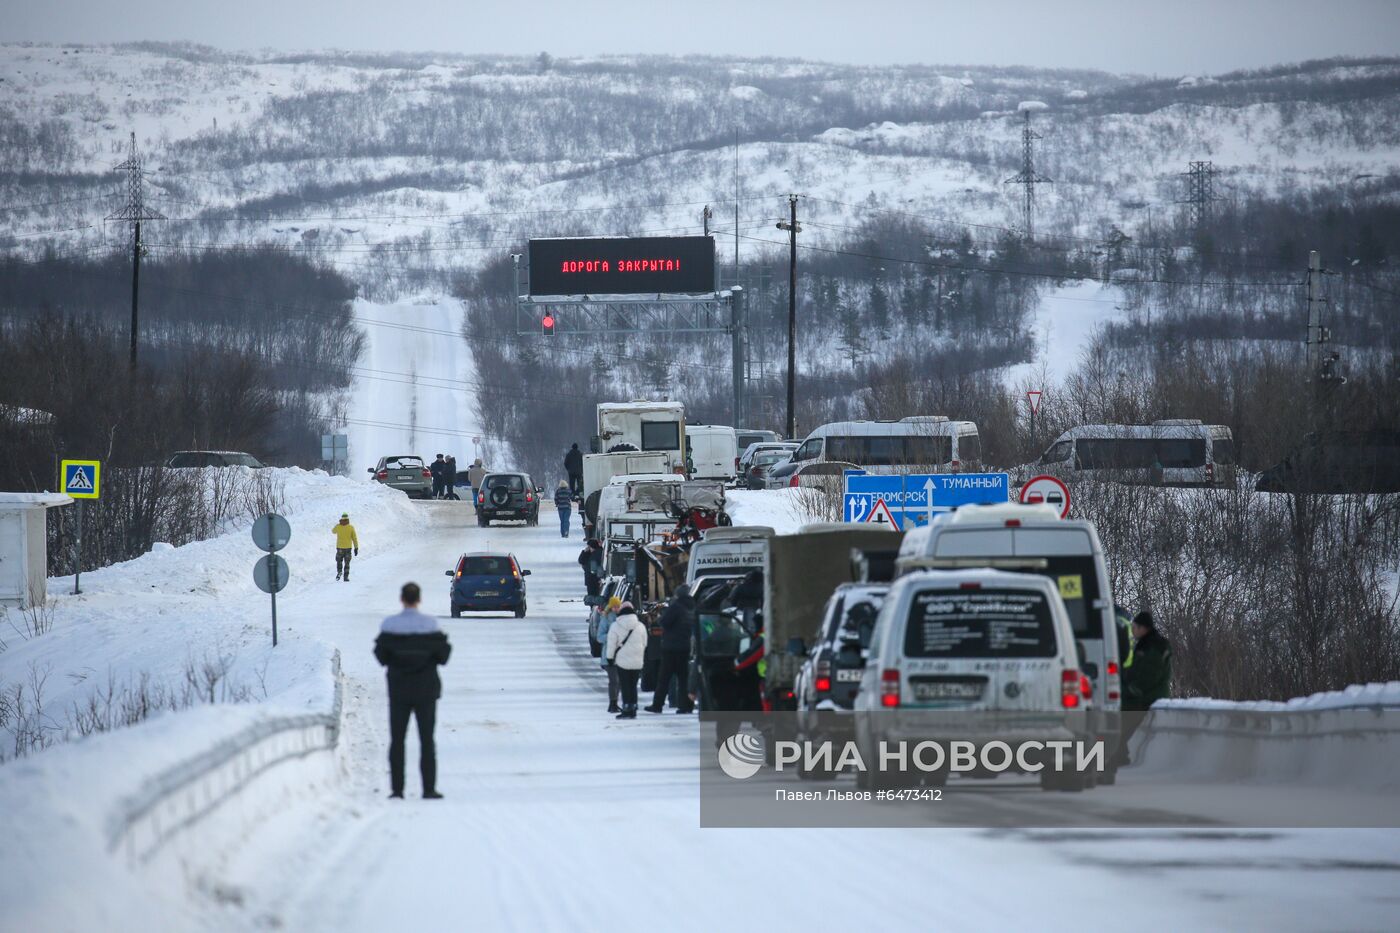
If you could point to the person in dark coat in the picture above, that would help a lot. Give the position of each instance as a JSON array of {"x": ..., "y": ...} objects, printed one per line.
[
  {"x": 573, "y": 466},
  {"x": 1147, "y": 676},
  {"x": 449, "y": 478},
  {"x": 591, "y": 560},
  {"x": 676, "y": 624},
  {"x": 411, "y": 646},
  {"x": 437, "y": 470}
]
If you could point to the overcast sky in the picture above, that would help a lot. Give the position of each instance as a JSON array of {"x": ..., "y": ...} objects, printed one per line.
[{"x": 1166, "y": 37}]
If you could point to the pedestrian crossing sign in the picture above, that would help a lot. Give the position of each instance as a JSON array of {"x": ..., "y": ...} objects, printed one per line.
[{"x": 82, "y": 479}]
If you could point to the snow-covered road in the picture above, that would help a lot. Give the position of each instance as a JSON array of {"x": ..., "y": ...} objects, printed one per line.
[{"x": 559, "y": 817}]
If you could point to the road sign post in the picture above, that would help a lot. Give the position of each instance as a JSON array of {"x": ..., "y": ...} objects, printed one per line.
[
  {"x": 271, "y": 533},
  {"x": 913, "y": 500},
  {"x": 1033, "y": 403},
  {"x": 82, "y": 479}
]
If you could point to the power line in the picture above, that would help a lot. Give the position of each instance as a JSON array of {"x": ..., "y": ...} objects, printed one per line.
[{"x": 989, "y": 270}]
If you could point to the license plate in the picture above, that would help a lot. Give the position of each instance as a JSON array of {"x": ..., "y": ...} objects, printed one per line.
[
  {"x": 947, "y": 691},
  {"x": 487, "y": 593},
  {"x": 848, "y": 674}
]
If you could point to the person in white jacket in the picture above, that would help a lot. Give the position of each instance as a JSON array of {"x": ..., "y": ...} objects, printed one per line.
[{"x": 626, "y": 649}]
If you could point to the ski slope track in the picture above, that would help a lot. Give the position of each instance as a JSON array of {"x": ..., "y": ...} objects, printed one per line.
[{"x": 414, "y": 391}]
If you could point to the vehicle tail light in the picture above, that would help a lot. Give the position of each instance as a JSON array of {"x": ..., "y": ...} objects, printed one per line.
[
  {"x": 1069, "y": 689},
  {"x": 736, "y": 464},
  {"x": 382, "y": 474},
  {"x": 515, "y": 569},
  {"x": 427, "y": 475},
  {"x": 822, "y": 681},
  {"x": 481, "y": 497},
  {"x": 889, "y": 687},
  {"x": 1114, "y": 686},
  {"x": 955, "y": 466},
  {"x": 529, "y": 497},
  {"x": 1013, "y": 523},
  {"x": 794, "y": 482},
  {"x": 970, "y": 585},
  {"x": 1086, "y": 687}
]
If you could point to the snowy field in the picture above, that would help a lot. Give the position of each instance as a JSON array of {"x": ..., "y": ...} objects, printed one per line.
[{"x": 551, "y": 804}]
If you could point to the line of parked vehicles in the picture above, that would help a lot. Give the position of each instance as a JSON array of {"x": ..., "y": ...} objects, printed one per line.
[{"x": 1002, "y": 608}]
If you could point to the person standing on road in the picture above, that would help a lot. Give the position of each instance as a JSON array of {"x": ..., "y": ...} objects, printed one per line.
[
  {"x": 449, "y": 478},
  {"x": 411, "y": 646},
  {"x": 591, "y": 560},
  {"x": 437, "y": 469},
  {"x": 606, "y": 618},
  {"x": 1147, "y": 679},
  {"x": 627, "y": 648},
  {"x": 675, "y": 652},
  {"x": 564, "y": 505},
  {"x": 573, "y": 466},
  {"x": 476, "y": 473},
  {"x": 346, "y": 541}
]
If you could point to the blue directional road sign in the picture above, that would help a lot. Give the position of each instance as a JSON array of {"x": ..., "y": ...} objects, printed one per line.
[{"x": 914, "y": 499}]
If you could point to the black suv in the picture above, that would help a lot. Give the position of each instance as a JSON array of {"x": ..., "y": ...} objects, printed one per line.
[{"x": 509, "y": 497}]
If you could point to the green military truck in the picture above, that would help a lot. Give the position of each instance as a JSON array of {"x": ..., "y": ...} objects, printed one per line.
[{"x": 801, "y": 571}]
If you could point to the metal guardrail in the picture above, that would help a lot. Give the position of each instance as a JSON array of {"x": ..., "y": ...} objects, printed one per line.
[{"x": 187, "y": 792}]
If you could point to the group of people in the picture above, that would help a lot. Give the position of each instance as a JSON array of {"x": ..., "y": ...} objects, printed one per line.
[
  {"x": 623, "y": 636},
  {"x": 443, "y": 470}
]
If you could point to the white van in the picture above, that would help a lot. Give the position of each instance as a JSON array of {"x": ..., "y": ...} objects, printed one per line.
[
  {"x": 918, "y": 444},
  {"x": 975, "y": 641},
  {"x": 599, "y": 469},
  {"x": 712, "y": 452},
  {"x": 643, "y": 426},
  {"x": 1033, "y": 539},
  {"x": 726, "y": 553},
  {"x": 1176, "y": 452}
]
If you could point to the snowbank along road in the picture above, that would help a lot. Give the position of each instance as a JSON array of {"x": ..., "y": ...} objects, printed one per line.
[{"x": 557, "y": 816}]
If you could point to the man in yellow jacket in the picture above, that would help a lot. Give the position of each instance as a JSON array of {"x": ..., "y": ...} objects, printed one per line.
[{"x": 346, "y": 541}]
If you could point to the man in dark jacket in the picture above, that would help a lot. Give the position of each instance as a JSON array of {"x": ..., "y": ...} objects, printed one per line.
[
  {"x": 676, "y": 623},
  {"x": 591, "y": 560},
  {"x": 411, "y": 646},
  {"x": 1147, "y": 676},
  {"x": 573, "y": 466},
  {"x": 438, "y": 470}
]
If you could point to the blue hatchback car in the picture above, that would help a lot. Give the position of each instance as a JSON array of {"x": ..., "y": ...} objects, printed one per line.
[{"x": 484, "y": 582}]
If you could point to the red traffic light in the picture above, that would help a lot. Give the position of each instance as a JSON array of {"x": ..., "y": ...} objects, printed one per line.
[{"x": 547, "y": 325}]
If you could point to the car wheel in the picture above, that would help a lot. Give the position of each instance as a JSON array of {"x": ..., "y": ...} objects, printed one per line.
[
  {"x": 483, "y": 523},
  {"x": 456, "y": 613},
  {"x": 520, "y": 611}
]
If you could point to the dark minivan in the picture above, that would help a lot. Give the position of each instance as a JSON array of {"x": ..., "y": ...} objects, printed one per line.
[{"x": 488, "y": 583}]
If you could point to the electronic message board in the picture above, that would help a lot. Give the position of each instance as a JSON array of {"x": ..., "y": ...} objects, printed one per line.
[{"x": 622, "y": 265}]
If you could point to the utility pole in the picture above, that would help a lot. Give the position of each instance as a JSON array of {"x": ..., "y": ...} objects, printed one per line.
[
  {"x": 1322, "y": 364},
  {"x": 1028, "y": 177},
  {"x": 705, "y": 216},
  {"x": 1200, "y": 193},
  {"x": 793, "y": 228},
  {"x": 133, "y": 212}
]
